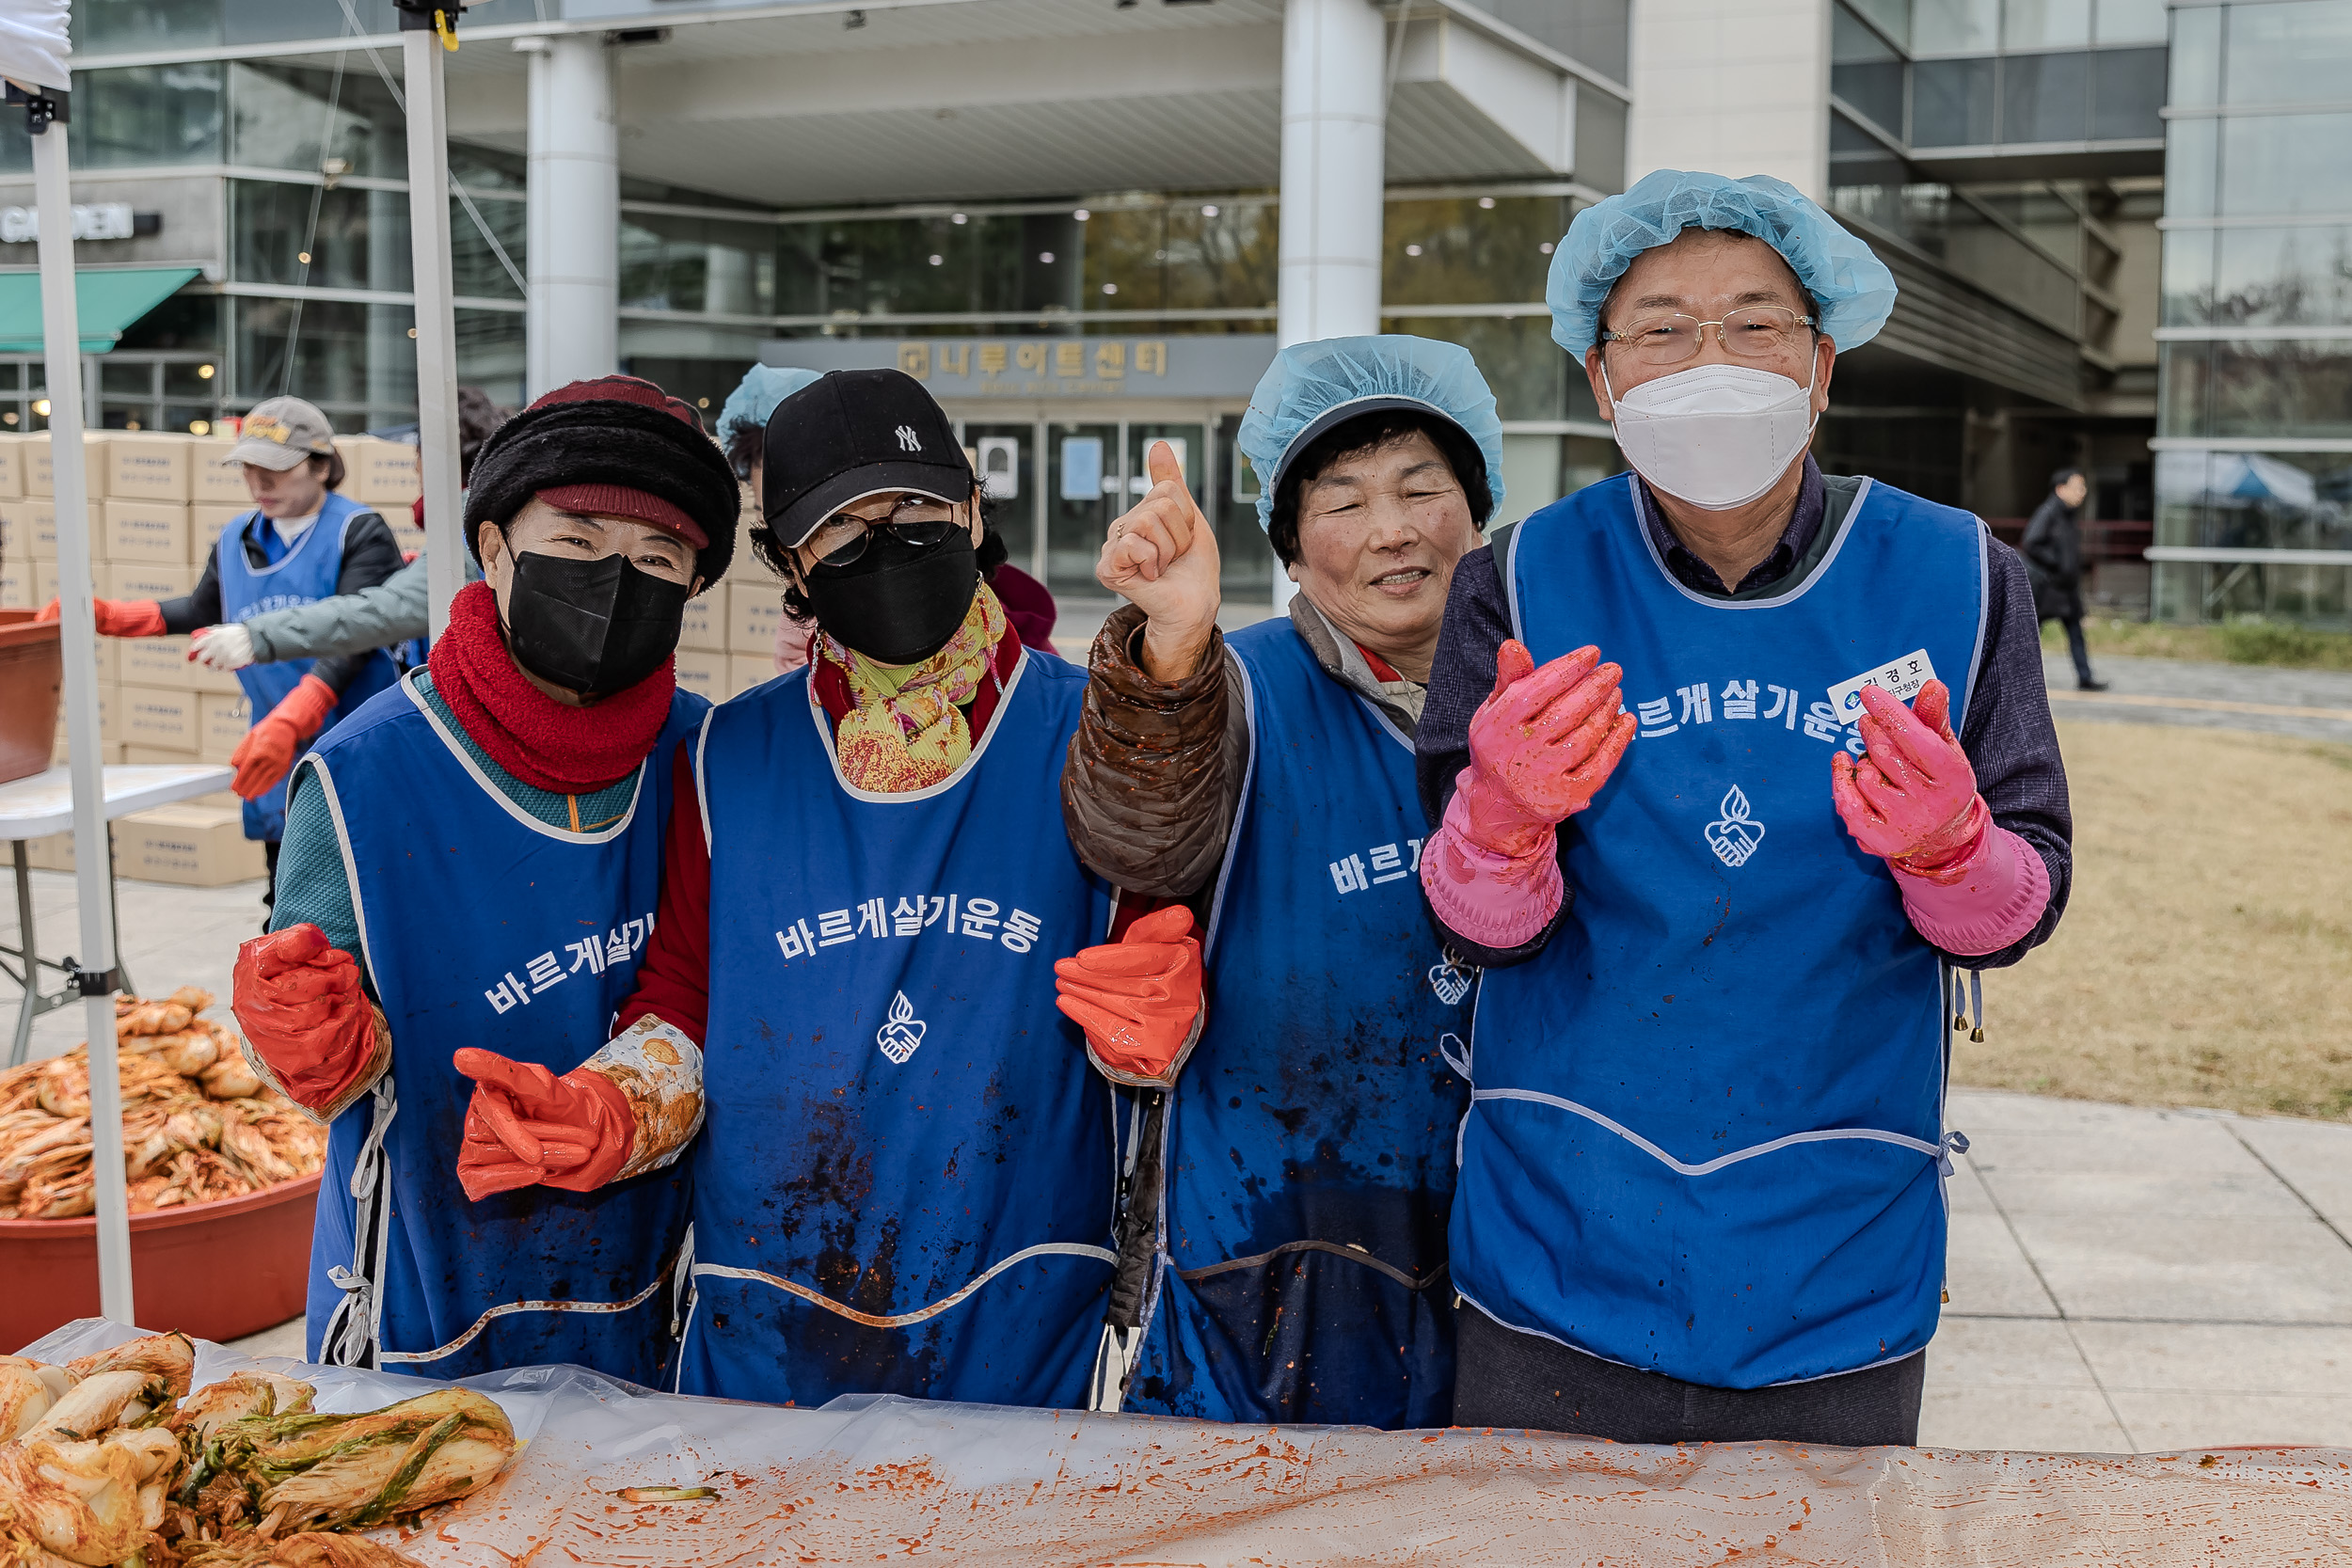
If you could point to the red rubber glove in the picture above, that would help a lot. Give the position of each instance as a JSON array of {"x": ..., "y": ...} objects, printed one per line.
[
  {"x": 1138, "y": 999},
  {"x": 1913, "y": 799},
  {"x": 117, "y": 617},
  {"x": 267, "y": 753},
  {"x": 527, "y": 1127},
  {"x": 304, "y": 1015},
  {"x": 1541, "y": 746}
]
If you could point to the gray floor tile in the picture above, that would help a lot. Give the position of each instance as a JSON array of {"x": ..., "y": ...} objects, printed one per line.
[
  {"x": 1987, "y": 1273},
  {"x": 2216, "y": 1358},
  {"x": 2164, "y": 1266},
  {"x": 2316, "y": 1156},
  {"x": 2151, "y": 1141},
  {"x": 2211, "y": 1195},
  {"x": 1989, "y": 1353},
  {"x": 285, "y": 1339},
  {"x": 2047, "y": 1420},
  {"x": 2001, "y": 1111},
  {"x": 2172, "y": 1420}
]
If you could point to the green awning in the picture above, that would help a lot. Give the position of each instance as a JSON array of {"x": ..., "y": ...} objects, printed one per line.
[{"x": 105, "y": 302}]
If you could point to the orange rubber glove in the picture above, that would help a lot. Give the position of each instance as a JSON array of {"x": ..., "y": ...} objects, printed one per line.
[
  {"x": 1138, "y": 1000},
  {"x": 267, "y": 753},
  {"x": 117, "y": 617},
  {"x": 1913, "y": 801},
  {"x": 527, "y": 1127},
  {"x": 304, "y": 1015}
]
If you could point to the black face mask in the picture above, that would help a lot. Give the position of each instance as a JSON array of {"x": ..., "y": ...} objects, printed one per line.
[
  {"x": 898, "y": 604},
  {"x": 592, "y": 626}
]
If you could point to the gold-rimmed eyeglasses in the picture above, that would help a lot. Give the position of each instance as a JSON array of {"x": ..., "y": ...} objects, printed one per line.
[
  {"x": 1757, "y": 332},
  {"x": 919, "y": 521}
]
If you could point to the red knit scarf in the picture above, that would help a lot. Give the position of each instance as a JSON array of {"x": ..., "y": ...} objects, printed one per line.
[{"x": 547, "y": 744}]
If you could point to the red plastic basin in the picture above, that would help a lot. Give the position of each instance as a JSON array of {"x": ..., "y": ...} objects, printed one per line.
[{"x": 217, "y": 1271}]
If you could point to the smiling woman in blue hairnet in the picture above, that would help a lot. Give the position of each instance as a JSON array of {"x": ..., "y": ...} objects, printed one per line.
[
  {"x": 1700, "y": 1189},
  {"x": 1308, "y": 1143}
]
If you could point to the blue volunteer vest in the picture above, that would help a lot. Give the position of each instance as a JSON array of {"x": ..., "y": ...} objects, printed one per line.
[
  {"x": 485, "y": 927},
  {"x": 304, "y": 574},
  {"x": 1707, "y": 1129},
  {"x": 1310, "y": 1146},
  {"x": 905, "y": 1184}
]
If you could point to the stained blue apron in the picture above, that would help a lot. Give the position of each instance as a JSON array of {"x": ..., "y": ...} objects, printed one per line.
[
  {"x": 1707, "y": 1129},
  {"x": 905, "y": 1183},
  {"x": 304, "y": 574},
  {"x": 1309, "y": 1163},
  {"x": 483, "y": 927}
]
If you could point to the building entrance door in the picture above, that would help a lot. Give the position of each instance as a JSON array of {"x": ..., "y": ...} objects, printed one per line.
[{"x": 1086, "y": 475}]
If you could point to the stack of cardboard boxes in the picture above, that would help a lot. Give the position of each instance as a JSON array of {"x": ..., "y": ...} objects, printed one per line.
[
  {"x": 157, "y": 503},
  {"x": 729, "y": 642}
]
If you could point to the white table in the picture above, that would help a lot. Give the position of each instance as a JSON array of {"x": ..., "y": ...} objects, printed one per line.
[{"x": 42, "y": 804}]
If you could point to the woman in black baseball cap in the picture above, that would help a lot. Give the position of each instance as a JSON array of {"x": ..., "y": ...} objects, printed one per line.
[{"x": 907, "y": 1178}]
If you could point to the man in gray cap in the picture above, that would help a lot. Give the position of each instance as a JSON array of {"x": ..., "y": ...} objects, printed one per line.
[{"x": 300, "y": 543}]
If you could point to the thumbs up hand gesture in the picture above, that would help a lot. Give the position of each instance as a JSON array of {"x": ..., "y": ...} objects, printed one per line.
[{"x": 1162, "y": 556}]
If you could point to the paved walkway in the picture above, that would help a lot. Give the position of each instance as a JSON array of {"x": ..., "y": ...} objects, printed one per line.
[
  {"x": 2314, "y": 704},
  {"x": 2121, "y": 1278}
]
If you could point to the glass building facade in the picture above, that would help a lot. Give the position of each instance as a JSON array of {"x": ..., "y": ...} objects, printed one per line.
[{"x": 2254, "y": 445}]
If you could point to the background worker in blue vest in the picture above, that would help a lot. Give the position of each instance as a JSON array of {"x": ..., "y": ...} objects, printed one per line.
[
  {"x": 905, "y": 1180},
  {"x": 1309, "y": 1150},
  {"x": 300, "y": 543},
  {"x": 469, "y": 880},
  {"x": 1701, "y": 1193}
]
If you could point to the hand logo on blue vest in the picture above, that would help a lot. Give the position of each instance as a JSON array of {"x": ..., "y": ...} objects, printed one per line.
[
  {"x": 902, "y": 1033},
  {"x": 1734, "y": 835},
  {"x": 1450, "y": 982}
]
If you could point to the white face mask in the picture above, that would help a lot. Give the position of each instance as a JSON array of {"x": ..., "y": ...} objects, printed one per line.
[{"x": 1715, "y": 435}]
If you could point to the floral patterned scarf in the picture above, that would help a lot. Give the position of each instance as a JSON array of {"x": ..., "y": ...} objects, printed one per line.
[{"x": 906, "y": 729}]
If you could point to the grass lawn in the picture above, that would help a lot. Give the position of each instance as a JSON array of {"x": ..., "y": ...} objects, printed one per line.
[
  {"x": 2245, "y": 640},
  {"x": 2205, "y": 958}
]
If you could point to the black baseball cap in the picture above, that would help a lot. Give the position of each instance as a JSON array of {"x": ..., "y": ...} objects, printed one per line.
[{"x": 852, "y": 434}]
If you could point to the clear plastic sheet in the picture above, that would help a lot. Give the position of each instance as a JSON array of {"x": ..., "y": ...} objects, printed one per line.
[{"x": 874, "y": 1478}]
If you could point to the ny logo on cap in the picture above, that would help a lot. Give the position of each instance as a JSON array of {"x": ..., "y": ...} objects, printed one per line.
[{"x": 908, "y": 440}]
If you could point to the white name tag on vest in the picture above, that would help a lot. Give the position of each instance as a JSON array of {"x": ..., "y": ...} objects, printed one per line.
[{"x": 1900, "y": 678}]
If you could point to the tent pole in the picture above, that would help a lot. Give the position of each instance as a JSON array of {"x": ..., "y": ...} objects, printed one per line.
[
  {"x": 61, "y": 344},
  {"x": 424, "y": 28}
]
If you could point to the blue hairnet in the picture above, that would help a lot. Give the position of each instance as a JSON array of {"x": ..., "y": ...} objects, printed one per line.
[
  {"x": 1851, "y": 287},
  {"x": 756, "y": 397},
  {"x": 1312, "y": 386}
]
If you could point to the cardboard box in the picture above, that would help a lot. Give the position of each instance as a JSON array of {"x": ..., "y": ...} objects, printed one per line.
[
  {"x": 221, "y": 723},
  {"x": 408, "y": 535},
  {"x": 153, "y": 466},
  {"x": 227, "y": 798},
  {"x": 54, "y": 853},
  {"x": 39, "y": 480},
  {"x": 161, "y": 756},
  {"x": 109, "y": 720},
  {"x": 205, "y": 521},
  {"x": 157, "y": 661},
  {"x": 33, "y": 521},
  {"x": 107, "y": 757},
  {"x": 704, "y": 673},
  {"x": 205, "y": 681},
  {"x": 753, "y": 612},
  {"x": 147, "y": 533},
  {"x": 159, "y": 719},
  {"x": 381, "y": 473},
  {"x": 187, "y": 846},
  {"x": 16, "y": 584},
  {"x": 11, "y": 467},
  {"x": 704, "y": 628},
  {"x": 212, "y": 481},
  {"x": 146, "y": 581},
  {"x": 745, "y": 671}
]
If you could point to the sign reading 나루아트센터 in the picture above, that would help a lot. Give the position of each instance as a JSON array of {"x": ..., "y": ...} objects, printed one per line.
[{"x": 1094, "y": 368}]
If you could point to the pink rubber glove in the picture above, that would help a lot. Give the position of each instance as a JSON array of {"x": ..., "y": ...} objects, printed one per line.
[
  {"x": 1541, "y": 746},
  {"x": 1913, "y": 801},
  {"x": 1969, "y": 886}
]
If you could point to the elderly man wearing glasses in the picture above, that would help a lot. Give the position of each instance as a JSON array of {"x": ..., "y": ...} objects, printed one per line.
[{"x": 1701, "y": 1177}]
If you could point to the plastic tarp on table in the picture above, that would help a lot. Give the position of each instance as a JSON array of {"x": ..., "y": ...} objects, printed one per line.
[{"x": 885, "y": 1478}]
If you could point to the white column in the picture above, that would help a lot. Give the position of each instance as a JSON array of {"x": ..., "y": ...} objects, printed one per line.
[
  {"x": 575, "y": 212},
  {"x": 1334, "y": 157}
]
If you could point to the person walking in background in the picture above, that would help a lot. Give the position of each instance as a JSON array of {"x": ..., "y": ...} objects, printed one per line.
[
  {"x": 2054, "y": 562},
  {"x": 300, "y": 543},
  {"x": 393, "y": 612}
]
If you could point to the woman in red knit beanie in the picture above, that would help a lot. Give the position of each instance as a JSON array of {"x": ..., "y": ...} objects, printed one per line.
[{"x": 469, "y": 878}]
